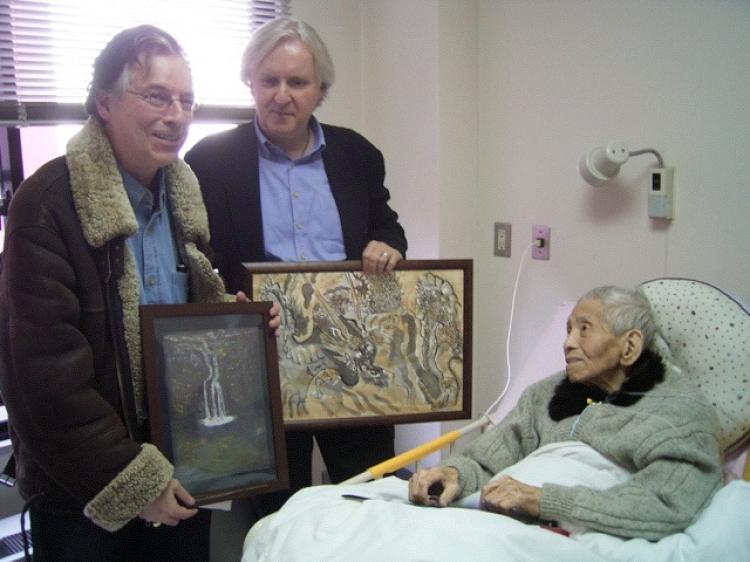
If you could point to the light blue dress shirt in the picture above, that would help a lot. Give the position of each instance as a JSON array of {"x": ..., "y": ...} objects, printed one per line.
[
  {"x": 300, "y": 219},
  {"x": 163, "y": 279}
]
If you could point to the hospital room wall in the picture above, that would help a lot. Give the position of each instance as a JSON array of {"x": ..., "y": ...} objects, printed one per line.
[
  {"x": 482, "y": 110},
  {"x": 558, "y": 78}
]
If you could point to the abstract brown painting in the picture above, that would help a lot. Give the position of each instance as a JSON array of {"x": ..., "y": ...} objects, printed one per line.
[{"x": 361, "y": 349}]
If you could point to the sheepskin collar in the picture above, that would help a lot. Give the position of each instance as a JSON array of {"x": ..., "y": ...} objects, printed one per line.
[
  {"x": 102, "y": 203},
  {"x": 570, "y": 399},
  {"x": 105, "y": 213}
]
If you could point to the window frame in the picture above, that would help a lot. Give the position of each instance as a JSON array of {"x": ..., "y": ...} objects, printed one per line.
[{"x": 35, "y": 96}]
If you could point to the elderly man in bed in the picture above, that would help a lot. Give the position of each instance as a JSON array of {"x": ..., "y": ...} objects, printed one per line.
[{"x": 615, "y": 398}]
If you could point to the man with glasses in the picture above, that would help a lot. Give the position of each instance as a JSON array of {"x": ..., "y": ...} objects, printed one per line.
[{"x": 117, "y": 222}]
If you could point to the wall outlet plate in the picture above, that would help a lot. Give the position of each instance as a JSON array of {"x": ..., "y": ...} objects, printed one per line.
[
  {"x": 501, "y": 239},
  {"x": 540, "y": 237}
]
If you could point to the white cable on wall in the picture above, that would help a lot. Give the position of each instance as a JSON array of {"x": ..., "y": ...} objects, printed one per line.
[{"x": 497, "y": 401}]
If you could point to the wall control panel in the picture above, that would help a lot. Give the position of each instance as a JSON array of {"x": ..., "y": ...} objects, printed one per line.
[{"x": 661, "y": 194}]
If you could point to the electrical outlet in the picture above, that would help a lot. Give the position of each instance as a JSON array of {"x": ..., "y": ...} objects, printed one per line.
[
  {"x": 540, "y": 237},
  {"x": 502, "y": 239}
]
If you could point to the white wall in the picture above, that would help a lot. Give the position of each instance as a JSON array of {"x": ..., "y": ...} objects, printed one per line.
[
  {"x": 338, "y": 24},
  {"x": 401, "y": 111},
  {"x": 483, "y": 108},
  {"x": 557, "y": 78}
]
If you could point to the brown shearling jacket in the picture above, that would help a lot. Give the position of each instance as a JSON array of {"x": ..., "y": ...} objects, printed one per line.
[{"x": 70, "y": 346}]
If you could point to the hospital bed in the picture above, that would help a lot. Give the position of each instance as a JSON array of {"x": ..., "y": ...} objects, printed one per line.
[{"x": 706, "y": 334}]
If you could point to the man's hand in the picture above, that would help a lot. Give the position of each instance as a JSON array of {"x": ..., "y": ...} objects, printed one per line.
[
  {"x": 507, "y": 495},
  {"x": 275, "y": 322},
  {"x": 434, "y": 486},
  {"x": 379, "y": 257},
  {"x": 166, "y": 508}
]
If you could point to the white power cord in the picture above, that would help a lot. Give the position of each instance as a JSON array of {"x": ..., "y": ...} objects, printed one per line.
[{"x": 497, "y": 401}]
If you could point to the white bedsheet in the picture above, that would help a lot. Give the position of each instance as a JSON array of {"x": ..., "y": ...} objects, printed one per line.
[{"x": 319, "y": 524}]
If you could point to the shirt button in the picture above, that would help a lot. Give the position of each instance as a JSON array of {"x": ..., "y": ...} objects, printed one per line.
[
  {"x": 151, "y": 281},
  {"x": 299, "y": 226},
  {"x": 295, "y": 194},
  {"x": 303, "y": 257}
]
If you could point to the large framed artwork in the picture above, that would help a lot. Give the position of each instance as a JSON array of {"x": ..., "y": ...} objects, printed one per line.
[
  {"x": 360, "y": 349},
  {"x": 212, "y": 386}
]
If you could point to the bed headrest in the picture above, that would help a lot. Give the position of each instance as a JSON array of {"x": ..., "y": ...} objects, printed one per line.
[{"x": 708, "y": 335}]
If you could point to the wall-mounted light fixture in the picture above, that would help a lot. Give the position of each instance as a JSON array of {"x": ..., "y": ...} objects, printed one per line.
[{"x": 602, "y": 164}]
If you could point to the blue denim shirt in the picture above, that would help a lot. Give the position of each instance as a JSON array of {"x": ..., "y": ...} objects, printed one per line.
[
  {"x": 163, "y": 279},
  {"x": 300, "y": 218}
]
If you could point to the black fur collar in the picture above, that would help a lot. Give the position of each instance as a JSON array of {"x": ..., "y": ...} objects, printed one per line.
[{"x": 569, "y": 399}]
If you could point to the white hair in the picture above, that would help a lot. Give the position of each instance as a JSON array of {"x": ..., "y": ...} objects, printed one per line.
[
  {"x": 625, "y": 309},
  {"x": 267, "y": 37}
]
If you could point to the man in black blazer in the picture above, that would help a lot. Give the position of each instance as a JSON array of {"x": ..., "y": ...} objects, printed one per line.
[
  {"x": 227, "y": 168},
  {"x": 286, "y": 188}
]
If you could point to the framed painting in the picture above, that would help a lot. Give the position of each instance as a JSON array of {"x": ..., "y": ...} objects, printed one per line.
[
  {"x": 359, "y": 349},
  {"x": 212, "y": 385}
]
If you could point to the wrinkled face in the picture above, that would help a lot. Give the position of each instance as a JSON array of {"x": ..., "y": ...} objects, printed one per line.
[
  {"x": 286, "y": 90},
  {"x": 592, "y": 352},
  {"x": 143, "y": 137}
]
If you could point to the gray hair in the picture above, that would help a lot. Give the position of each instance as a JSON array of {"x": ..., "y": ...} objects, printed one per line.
[
  {"x": 625, "y": 309},
  {"x": 267, "y": 37},
  {"x": 132, "y": 47}
]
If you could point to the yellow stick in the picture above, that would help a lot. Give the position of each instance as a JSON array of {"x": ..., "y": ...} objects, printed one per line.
[{"x": 408, "y": 457}]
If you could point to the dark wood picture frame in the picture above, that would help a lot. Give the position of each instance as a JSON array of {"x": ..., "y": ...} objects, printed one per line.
[
  {"x": 361, "y": 349},
  {"x": 212, "y": 385}
]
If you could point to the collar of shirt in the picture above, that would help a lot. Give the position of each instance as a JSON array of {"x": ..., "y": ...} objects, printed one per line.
[
  {"x": 142, "y": 198},
  {"x": 268, "y": 150}
]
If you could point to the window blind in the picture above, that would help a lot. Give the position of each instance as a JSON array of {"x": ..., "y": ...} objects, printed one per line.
[{"x": 47, "y": 49}]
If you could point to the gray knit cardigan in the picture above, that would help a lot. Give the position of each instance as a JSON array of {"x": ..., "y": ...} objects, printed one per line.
[{"x": 668, "y": 440}]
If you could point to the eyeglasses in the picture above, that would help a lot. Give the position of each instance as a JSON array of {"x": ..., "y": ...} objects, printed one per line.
[{"x": 161, "y": 100}]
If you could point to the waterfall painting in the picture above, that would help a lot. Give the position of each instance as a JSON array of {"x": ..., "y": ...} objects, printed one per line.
[
  {"x": 213, "y": 396},
  {"x": 359, "y": 349}
]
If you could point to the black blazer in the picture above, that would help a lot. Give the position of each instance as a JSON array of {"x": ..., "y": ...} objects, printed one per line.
[{"x": 227, "y": 168}]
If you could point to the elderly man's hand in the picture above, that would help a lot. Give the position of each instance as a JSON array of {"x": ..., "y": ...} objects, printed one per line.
[
  {"x": 434, "y": 486},
  {"x": 511, "y": 497},
  {"x": 275, "y": 322},
  {"x": 379, "y": 257}
]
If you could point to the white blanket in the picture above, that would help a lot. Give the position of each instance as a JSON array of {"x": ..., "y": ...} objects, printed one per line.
[
  {"x": 568, "y": 463},
  {"x": 318, "y": 523}
]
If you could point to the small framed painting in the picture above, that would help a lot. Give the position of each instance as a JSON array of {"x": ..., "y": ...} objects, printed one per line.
[{"x": 212, "y": 385}]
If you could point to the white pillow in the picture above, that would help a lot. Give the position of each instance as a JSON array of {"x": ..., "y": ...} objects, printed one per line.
[{"x": 707, "y": 332}]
